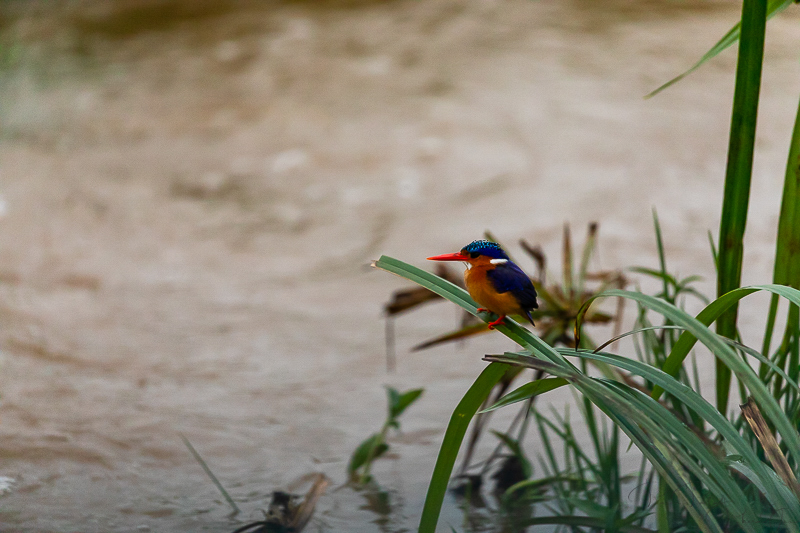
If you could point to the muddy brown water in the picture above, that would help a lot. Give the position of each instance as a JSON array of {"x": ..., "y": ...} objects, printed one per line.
[{"x": 190, "y": 196}]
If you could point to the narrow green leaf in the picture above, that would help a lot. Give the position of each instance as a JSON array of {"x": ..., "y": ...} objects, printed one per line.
[
  {"x": 773, "y": 8},
  {"x": 726, "y": 353},
  {"x": 634, "y": 332},
  {"x": 713, "y": 247},
  {"x": 362, "y": 453},
  {"x": 662, "y": 260},
  {"x": 689, "y": 496},
  {"x": 787, "y": 251},
  {"x": 765, "y": 362},
  {"x": 706, "y": 467},
  {"x": 540, "y": 483},
  {"x": 720, "y": 481},
  {"x": 526, "y": 391},
  {"x": 451, "y": 443},
  {"x": 787, "y": 248},
  {"x": 708, "y": 315},
  {"x": 774, "y": 492},
  {"x": 743, "y": 371},
  {"x": 432, "y": 282},
  {"x": 768, "y": 330},
  {"x": 403, "y": 401},
  {"x": 393, "y": 397},
  {"x": 594, "y": 509},
  {"x": 770, "y": 365},
  {"x": 662, "y": 275},
  {"x": 678, "y": 285},
  {"x": 460, "y": 297},
  {"x": 738, "y": 174},
  {"x": 785, "y": 503},
  {"x": 662, "y": 516},
  {"x": 659, "y": 454},
  {"x": 644, "y": 423}
]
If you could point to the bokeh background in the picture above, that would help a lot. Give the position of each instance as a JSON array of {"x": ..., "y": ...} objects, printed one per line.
[{"x": 191, "y": 193}]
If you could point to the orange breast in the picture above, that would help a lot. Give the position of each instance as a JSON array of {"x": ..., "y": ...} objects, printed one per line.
[{"x": 482, "y": 291}]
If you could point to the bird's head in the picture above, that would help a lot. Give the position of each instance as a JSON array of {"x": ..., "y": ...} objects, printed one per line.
[{"x": 475, "y": 253}]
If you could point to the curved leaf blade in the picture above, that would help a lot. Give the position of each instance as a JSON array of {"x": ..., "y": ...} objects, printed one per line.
[
  {"x": 730, "y": 38},
  {"x": 529, "y": 390},
  {"x": 451, "y": 443}
]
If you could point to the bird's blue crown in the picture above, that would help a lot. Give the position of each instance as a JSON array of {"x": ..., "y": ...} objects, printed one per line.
[{"x": 487, "y": 248}]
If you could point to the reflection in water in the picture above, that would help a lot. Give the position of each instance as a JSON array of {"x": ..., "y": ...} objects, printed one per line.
[{"x": 189, "y": 207}]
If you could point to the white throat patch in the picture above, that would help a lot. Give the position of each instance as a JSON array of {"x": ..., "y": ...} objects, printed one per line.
[{"x": 498, "y": 261}]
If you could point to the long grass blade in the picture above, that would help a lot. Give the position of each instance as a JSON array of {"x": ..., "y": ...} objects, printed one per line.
[
  {"x": 662, "y": 260},
  {"x": 782, "y": 501},
  {"x": 788, "y": 514},
  {"x": 653, "y": 441},
  {"x": 745, "y": 374},
  {"x": 627, "y": 418},
  {"x": 709, "y": 314},
  {"x": 738, "y": 174},
  {"x": 460, "y": 297},
  {"x": 724, "y": 486},
  {"x": 614, "y": 339},
  {"x": 432, "y": 282},
  {"x": 210, "y": 474},
  {"x": 451, "y": 443},
  {"x": 527, "y": 391},
  {"x": 787, "y": 247},
  {"x": 727, "y": 355},
  {"x": 724, "y": 427},
  {"x": 658, "y": 445},
  {"x": 773, "y": 8},
  {"x": 707, "y": 468}
]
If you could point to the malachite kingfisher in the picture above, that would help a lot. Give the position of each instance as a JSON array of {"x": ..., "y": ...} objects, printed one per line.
[{"x": 494, "y": 281}]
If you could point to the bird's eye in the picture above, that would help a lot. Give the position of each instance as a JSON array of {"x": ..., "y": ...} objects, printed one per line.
[{"x": 474, "y": 255}]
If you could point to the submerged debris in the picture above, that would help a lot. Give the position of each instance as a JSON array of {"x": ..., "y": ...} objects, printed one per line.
[{"x": 285, "y": 514}]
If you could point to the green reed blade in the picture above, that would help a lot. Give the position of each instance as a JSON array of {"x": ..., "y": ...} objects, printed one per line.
[
  {"x": 645, "y": 424},
  {"x": 662, "y": 260},
  {"x": 708, "y": 315},
  {"x": 775, "y": 492},
  {"x": 645, "y": 427},
  {"x": 773, "y": 8},
  {"x": 738, "y": 173},
  {"x": 527, "y": 391},
  {"x": 460, "y": 297},
  {"x": 451, "y": 443},
  {"x": 645, "y": 413},
  {"x": 787, "y": 247},
  {"x": 699, "y": 329}
]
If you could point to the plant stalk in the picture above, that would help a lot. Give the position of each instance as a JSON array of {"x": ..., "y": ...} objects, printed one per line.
[{"x": 738, "y": 173}]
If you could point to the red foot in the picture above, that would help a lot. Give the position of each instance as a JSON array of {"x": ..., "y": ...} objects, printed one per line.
[
  {"x": 483, "y": 310},
  {"x": 497, "y": 322}
]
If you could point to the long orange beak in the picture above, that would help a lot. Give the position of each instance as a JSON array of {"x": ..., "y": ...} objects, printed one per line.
[{"x": 450, "y": 257}]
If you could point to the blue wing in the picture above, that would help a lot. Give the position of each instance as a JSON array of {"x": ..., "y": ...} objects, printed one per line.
[{"x": 509, "y": 277}]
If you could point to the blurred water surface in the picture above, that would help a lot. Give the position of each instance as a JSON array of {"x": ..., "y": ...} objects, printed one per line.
[{"x": 191, "y": 192}]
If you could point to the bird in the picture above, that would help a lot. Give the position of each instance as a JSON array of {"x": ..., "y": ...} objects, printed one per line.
[{"x": 494, "y": 281}]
